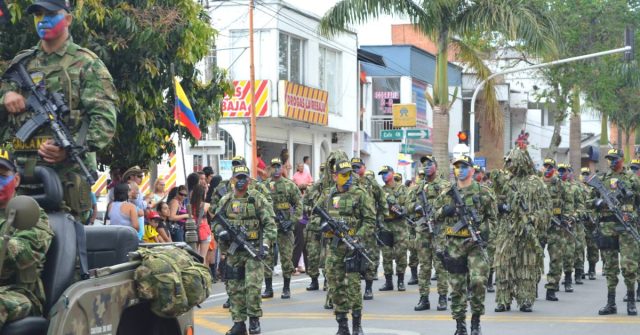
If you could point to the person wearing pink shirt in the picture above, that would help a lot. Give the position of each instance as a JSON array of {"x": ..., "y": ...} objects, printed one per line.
[{"x": 301, "y": 177}]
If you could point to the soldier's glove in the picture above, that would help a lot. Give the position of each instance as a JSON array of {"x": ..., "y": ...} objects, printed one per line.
[
  {"x": 265, "y": 250},
  {"x": 504, "y": 208},
  {"x": 397, "y": 210},
  {"x": 418, "y": 208},
  {"x": 325, "y": 227},
  {"x": 224, "y": 236},
  {"x": 598, "y": 203},
  {"x": 449, "y": 210}
]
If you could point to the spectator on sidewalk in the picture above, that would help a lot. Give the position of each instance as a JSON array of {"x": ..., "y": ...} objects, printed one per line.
[
  {"x": 121, "y": 212},
  {"x": 307, "y": 165},
  {"x": 301, "y": 177},
  {"x": 151, "y": 234},
  {"x": 163, "y": 226}
]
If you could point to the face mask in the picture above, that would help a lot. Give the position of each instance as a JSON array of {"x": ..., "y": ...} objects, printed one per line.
[
  {"x": 387, "y": 177},
  {"x": 582, "y": 178},
  {"x": 462, "y": 173},
  {"x": 636, "y": 171},
  {"x": 344, "y": 179},
  {"x": 549, "y": 172},
  {"x": 359, "y": 170},
  {"x": 563, "y": 175},
  {"x": 477, "y": 177},
  {"x": 241, "y": 184},
  {"x": 277, "y": 172},
  {"x": 49, "y": 27},
  {"x": 615, "y": 163},
  {"x": 7, "y": 187},
  {"x": 430, "y": 169}
]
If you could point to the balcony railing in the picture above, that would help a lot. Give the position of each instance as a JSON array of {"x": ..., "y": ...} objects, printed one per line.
[{"x": 385, "y": 122}]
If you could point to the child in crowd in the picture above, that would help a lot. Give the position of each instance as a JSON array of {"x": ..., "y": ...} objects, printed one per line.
[{"x": 150, "y": 233}]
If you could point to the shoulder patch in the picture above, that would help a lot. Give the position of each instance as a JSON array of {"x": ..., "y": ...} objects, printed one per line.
[{"x": 88, "y": 52}]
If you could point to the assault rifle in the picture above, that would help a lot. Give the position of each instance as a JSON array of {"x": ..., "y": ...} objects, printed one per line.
[
  {"x": 427, "y": 213},
  {"x": 239, "y": 239},
  {"x": 397, "y": 210},
  {"x": 560, "y": 223},
  {"x": 468, "y": 219},
  {"x": 284, "y": 225},
  {"x": 48, "y": 109},
  {"x": 610, "y": 198},
  {"x": 341, "y": 233}
]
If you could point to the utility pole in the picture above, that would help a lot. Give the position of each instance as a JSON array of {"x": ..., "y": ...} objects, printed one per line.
[{"x": 252, "y": 91}]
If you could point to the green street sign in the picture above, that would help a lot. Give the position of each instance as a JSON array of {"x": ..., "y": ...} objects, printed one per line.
[
  {"x": 416, "y": 134},
  {"x": 407, "y": 149},
  {"x": 395, "y": 134}
]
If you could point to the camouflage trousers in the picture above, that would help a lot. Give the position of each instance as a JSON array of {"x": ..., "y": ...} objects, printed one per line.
[
  {"x": 413, "y": 248},
  {"x": 476, "y": 275},
  {"x": 593, "y": 253},
  {"x": 14, "y": 305},
  {"x": 627, "y": 261},
  {"x": 580, "y": 244},
  {"x": 399, "y": 250},
  {"x": 428, "y": 260},
  {"x": 374, "y": 253},
  {"x": 315, "y": 258},
  {"x": 244, "y": 294},
  {"x": 560, "y": 246},
  {"x": 344, "y": 287},
  {"x": 285, "y": 250},
  {"x": 517, "y": 268}
]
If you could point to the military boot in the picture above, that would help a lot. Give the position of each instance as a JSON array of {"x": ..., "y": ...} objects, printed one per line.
[
  {"x": 343, "y": 324},
  {"x": 254, "y": 325},
  {"x": 328, "y": 303},
  {"x": 226, "y": 304},
  {"x": 579, "y": 277},
  {"x": 490, "y": 287},
  {"x": 401, "y": 282},
  {"x": 461, "y": 327},
  {"x": 610, "y": 307},
  {"x": 239, "y": 328},
  {"x": 435, "y": 276},
  {"x": 442, "y": 302},
  {"x": 423, "y": 303},
  {"x": 592, "y": 271},
  {"x": 325, "y": 285},
  {"x": 314, "y": 286},
  {"x": 357, "y": 323},
  {"x": 567, "y": 282},
  {"x": 388, "y": 283},
  {"x": 526, "y": 307},
  {"x": 631, "y": 304},
  {"x": 414, "y": 276},
  {"x": 268, "y": 288},
  {"x": 286, "y": 291},
  {"x": 475, "y": 325},
  {"x": 551, "y": 295},
  {"x": 502, "y": 308},
  {"x": 626, "y": 297},
  {"x": 368, "y": 292}
]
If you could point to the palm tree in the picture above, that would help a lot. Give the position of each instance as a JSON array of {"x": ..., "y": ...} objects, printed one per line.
[{"x": 449, "y": 23}]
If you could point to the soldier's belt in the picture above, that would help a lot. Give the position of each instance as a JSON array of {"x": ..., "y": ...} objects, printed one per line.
[
  {"x": 627, "y": 208},
  {"x": 330, "y": 234},
  {"x": 32, "y": 145},
  {"x": 283, "y": 205},
  {"x": 464, "y": 232},
  {"x": 557, "y": 211}
]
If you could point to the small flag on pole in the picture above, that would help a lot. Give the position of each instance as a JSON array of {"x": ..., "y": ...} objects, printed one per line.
[
  {"x": 183, "y": 113},
  {"x": 404, "y": 159}
]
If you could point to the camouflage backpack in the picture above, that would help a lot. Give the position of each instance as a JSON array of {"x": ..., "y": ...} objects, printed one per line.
[{"x": 171, "y": 280}]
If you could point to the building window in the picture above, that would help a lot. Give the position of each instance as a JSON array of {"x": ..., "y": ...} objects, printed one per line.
[
  {"x": 210, "y": 63},
  {"x": 229, "y": 145},
  {"x": 291, "y": 55},
  {"x": 386, "y": 93},
  {"x": 329, "y": 76},
  {"x": 197, "y": 163}
]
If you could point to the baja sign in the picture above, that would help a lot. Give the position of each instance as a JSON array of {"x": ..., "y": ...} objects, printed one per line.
[{"x": 239, "y": 104}]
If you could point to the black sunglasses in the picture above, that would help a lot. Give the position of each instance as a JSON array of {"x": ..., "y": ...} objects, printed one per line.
[{"x": 183, "y": 194}]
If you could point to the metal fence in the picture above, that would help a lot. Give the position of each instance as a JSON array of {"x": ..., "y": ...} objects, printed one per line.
[{"x": 385, "y": 122}]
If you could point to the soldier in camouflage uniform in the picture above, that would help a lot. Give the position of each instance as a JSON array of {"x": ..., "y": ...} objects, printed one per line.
[
  {"x": 426, "y": 241},
  {"x": 593, "y": 253},
  {"x": 63, "y": 67},
  {"x": 313, "y": 236},
  {"x": 571, "y": 220},
  {"x": 465, "y": 260},
  {"x": 248, "y": 209},
  {"x": 518, "y": 250},
  {"x": 352, "y": 205},
  {"x": 498, "y": 180},
  {"x": 21, "y": 291},
  {"x": 413, "y": 247},
  {"x": 379, "y": 198},
  {"x": 395, "y": 235},
  {"x": 479, "y": 177},
  {"x": 560, "y": 242},
  {"x": 581, "y": 195},
  {"x": 613, "y": 240},
  {"x": 634, "y": 167},
  {"x": 287, "y": 204}
]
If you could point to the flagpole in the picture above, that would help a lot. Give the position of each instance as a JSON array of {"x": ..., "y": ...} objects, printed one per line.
[
  {"x": 252, "y": 89},
  {"x": 175, "y": 99}
]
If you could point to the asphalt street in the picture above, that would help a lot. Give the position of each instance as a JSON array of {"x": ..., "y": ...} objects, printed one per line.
[{"x": 391, "y": 313}]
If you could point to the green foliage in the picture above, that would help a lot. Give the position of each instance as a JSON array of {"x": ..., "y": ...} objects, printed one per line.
[{"x": 138, "y": 41}]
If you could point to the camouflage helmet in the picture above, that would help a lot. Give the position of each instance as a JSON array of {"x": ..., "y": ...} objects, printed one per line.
[
  {"x": 370, "y": 173},
  {"x": 586, "y": 170},
  {"x": 334, "y": 157},
  {"x": 635, "y": 163},
  {"x": 614, "y": 153},
  {"x": 238, "y": 160}
]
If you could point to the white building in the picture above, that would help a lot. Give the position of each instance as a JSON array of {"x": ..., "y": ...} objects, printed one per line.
[{"x": 306, "y": 85}]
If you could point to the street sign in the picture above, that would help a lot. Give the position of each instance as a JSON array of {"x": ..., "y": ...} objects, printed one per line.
[
  {"x": 394, "y": 134},
  {"x": 416, "y": 134},
  {"x": 404, "y": 115},
  {"x": 480, "y": 161},
  {"x": 407, "y": 149}
]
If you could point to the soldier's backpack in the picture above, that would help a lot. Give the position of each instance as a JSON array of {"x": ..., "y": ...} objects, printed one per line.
[{"x": 171, "y": 280}]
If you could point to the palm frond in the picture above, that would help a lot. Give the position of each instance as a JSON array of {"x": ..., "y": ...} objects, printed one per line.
[{"x": 492, "y": 111}]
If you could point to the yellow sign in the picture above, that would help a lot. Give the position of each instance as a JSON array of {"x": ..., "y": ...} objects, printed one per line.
[
  {"x": 304, "y": 103},
  {"x": 404, "y": 115}
]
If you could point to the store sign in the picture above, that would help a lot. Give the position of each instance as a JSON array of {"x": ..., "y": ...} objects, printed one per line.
[
  {"x": 304, "y": 103},
  {"x": 239, "y": 104},
  {"x": 404, "y": 115}
]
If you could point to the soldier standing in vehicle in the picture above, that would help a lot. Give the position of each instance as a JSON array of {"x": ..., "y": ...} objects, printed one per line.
[
  {"x": 62, "y": 67},
  {"x": 287, "y": 204},
  {"x": 426, "y": 241},
  {"x": 351, "y": 204},
  {"x": 245, "y": 209},
  {"x": 464, "y": 258},
  {"x": 21, "y": 291},
  {"x": 395, "y": 235},
  {"x": 613, "y": 240}
]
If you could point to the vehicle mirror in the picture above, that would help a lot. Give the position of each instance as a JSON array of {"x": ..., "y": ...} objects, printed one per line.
[{"x": 27, "y": 212}]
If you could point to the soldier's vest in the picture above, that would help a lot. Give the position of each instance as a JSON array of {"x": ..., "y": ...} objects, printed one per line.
[
  {"x": 242, "y": 213},
  {"x": 557, "y": 193},
  {"x": 615, "y": 183},
  {"x": 393, "y": 195},
  {"x": 471, "y": 198},
  {"x": 343, "y": 206}
]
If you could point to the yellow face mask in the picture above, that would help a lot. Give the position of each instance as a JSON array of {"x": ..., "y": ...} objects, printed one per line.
[{"x": 343, "y": 178}]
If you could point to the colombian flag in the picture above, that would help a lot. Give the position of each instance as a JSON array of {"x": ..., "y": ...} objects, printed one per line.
[
  {"x": 404, "y": 159},
  {"x": 183, "y": 112}
]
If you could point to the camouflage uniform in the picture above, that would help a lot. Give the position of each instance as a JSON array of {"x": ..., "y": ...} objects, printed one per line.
[
  {"x": 427, "y": 243},
  {"x": 244, "y": 274},
  {"x": 91, "y": 96},
  {"x": 287, "y": 202},
  {"x": 313, "y": 236},
  {"x": 518, "y": 250},
  {"x": 356, "y": 209},
  {"x": 397, "y": 231},
  {"x": 21, "y": 290},
  {"x": 465, "y": 259},
  {"x": 580, "y": 244},
  {"x": 590, "y": 222}
]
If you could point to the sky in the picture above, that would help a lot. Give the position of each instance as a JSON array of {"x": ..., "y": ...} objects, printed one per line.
[{"x": 375, "y": 32}]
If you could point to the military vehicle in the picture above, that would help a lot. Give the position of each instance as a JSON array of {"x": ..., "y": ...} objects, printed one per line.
[{"x": 106, "y": 302}]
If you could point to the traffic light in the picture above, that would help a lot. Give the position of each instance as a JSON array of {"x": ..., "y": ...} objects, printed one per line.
[{"x": 463, "y": 137}]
